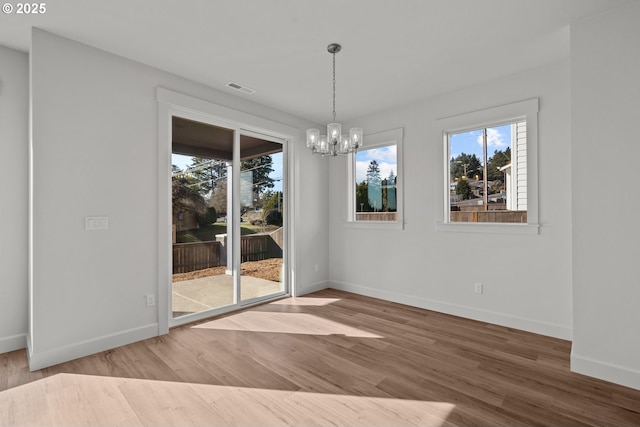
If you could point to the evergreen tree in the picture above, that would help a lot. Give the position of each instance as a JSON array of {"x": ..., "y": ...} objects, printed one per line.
[
  {"x": 464, "y": 189},
  {"x": 207, "y": 173},
  {"x": 374, "y": 186},
  {"x": 391, "y": 193},
  {"x": 362, "y": 198},
  {"x": 260, "y": 168},
  {"x": 498, "y": 160},
  {"x": 465, "y": 163}
]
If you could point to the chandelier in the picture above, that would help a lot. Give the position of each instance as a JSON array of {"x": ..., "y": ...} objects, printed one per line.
[{"x": 334, "y": 143}]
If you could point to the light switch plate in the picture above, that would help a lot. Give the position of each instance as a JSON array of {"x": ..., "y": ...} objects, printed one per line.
[{"x": 96, "y": 222}]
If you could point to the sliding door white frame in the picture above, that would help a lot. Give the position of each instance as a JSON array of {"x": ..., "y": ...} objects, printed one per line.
[{"x": 173, "y": 104}]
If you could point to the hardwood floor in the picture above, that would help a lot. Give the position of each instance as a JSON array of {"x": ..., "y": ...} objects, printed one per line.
[{"x": 329, "y": 358}]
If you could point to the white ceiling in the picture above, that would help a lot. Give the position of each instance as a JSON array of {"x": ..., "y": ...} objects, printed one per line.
[{"x": 394, "y": 51}]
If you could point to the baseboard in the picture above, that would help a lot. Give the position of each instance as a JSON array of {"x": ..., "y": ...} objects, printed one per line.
[
  {"x": 524, "y": 324},
  {"x": 39, "y": 360},
  {"x": 605, "y": 371},
  {"x": 13, "y": 343},
  {"x": 313, "y": 287}
]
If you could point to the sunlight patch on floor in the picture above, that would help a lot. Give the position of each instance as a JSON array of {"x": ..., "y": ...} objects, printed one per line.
[
  {"x": 284, "y": 323},
  {"x": 71, "y": 399}
]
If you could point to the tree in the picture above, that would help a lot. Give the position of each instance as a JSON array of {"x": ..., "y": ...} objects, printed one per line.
[
  {"x": 209, "y": 178},
  {"x": 374, "y": 186},
  {"x": 465, "y": 163},
  {"x": 260, "y": 168},
  {"x": 218, "y": 199},
  {"x": 207, "y": 173},
  {"x": 274, "y": 200},
  {"x": 390, "y": 186},
  {"x": 464, "y": 189},
  {"x": 498, "y": 160},
  {"x": 186, "y": 199},
  {"x": 362, "y": 197}
]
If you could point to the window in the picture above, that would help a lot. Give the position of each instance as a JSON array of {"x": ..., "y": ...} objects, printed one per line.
[
  {"x": 491, "y": 169},
  {"x": 375, "y": 182}
]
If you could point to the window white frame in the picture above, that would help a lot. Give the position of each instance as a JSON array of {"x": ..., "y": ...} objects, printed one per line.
[
  {"x": 380, "y": 139},
  {"x": 489, "y": 117}
]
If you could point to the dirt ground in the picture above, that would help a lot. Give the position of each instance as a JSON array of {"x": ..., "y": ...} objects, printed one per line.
[{"x": 268, "y": 269}]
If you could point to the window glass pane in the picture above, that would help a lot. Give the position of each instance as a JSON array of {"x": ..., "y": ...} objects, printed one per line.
[
  {"x": 376, "y": 171},
  {"x": 488, "y": 174}
]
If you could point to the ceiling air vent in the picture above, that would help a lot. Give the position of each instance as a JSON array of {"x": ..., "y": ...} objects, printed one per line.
[{"x": 243, "y": 89}]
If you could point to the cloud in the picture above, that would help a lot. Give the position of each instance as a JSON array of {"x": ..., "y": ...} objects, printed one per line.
[
  {"x": 385, "y": 156},
  {"x": 382, "y": 154},
  {"x": 495, "y": 139}
]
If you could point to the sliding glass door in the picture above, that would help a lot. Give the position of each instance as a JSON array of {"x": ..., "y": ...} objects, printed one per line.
[
  {"x": 262, "y": 217},
  {"x": 228, "y": 222}
]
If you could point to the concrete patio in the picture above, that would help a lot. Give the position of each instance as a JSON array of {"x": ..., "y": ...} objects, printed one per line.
[{"x": 191, "y": 296}]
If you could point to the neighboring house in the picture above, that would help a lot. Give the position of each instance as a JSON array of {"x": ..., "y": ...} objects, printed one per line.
[
  {"x": 508, "y": 185},
  {"x": 516, "y": 172}
]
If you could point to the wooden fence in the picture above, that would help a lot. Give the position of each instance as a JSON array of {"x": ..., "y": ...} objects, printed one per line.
[
  {"x": 489, "y": 216},
  {"x": 200, "y": 255},
  {"x": 254, "y": 247},
  {"x": 376, "y": 216},
  {"x": 195, "y": 256}
]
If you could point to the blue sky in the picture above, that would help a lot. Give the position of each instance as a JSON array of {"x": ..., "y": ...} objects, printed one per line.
[
  {"x": 385, "y": 156},
  {"x": 498, "y": 138}
]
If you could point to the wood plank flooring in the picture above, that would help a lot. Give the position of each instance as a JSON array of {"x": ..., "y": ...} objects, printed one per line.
[{"x": 329, "y": 358}]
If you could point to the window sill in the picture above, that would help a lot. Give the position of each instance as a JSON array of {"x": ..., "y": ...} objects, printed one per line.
[
  {"x": 468, "y": 227},
  {"x": 375, "y": 225}
]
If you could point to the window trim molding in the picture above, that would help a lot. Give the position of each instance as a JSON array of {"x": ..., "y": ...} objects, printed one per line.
[
  {"x": 499, "y": 115},
  {"x": 379, "y": 139}
]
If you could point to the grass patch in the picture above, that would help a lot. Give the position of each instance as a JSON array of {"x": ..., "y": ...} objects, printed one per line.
[{"x": 208, "y": 232}]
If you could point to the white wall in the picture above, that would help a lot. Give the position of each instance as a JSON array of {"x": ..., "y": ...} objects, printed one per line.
[
  {"x": 95, "y": 154},
  {"x": 527, "y": 278},
  {"x": 14, "y": 198},
  {"x": 605, "y": 77}
]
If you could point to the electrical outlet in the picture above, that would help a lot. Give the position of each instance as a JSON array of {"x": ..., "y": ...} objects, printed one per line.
[
  {"x": 151, "y": 300},
  {"x": 478, "y": 288}
]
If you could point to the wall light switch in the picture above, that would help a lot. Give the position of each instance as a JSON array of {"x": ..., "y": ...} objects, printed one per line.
[{"x": 96, "y": 222}]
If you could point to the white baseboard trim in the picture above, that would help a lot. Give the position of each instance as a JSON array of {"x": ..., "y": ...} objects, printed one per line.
[
  {"x": 39, "y": 360},
  {"x": 502, "y": 319},
  {"x": 605, "y": 371},
  {"x": 313, "y": 287},
  {"x": 12, "y": 343}
]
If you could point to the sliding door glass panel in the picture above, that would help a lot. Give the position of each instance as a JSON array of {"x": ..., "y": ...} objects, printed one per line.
[
  {"x": 201, "y": 235},
  {"x": 262, "y": 219}
]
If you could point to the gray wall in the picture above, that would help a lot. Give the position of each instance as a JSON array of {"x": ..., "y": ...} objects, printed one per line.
[
  {"x": 605, "y": 89},
  {"x": 526, "y": 278},
  {"x": 579, "y": 278},
  {"x": 14, "y": 198},
  {"x": 95, "y": 137}
]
